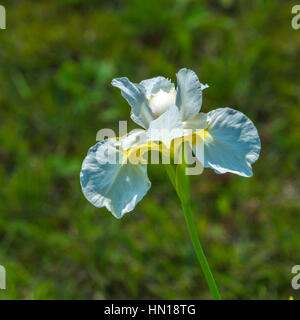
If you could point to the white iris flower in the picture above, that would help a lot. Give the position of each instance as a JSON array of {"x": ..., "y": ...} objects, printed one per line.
[{"x": 231, "y": 141}]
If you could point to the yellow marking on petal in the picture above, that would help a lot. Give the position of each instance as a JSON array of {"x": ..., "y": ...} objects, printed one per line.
[
  {"x": 136, "y": 153},
  {"x": 207, "y": 136}
]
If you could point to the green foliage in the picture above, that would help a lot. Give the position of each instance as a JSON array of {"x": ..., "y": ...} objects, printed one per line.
[{"x": 58, "y": 58}]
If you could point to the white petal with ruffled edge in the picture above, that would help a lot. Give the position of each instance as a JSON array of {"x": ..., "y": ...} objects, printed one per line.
[
  {"x": 155, "y": 84},
  {"x": 232, "y": 143},
  {"x": 105, "y": 182}
]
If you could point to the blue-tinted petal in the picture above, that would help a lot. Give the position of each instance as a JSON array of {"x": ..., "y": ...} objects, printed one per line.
[
  {"x": 232, "y": 143},
  {"x": 189, "y": 93},
  {"x": 118, "y": 187},
  {"x": 135, "y": 94}
]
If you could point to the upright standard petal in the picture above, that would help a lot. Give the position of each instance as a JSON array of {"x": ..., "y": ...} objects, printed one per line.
[
  {"x": 189, "y": 93},
  {"x": 167, "y": 127},
  {"x": 135, "y": 94},
  {"x": 161, "y": 94},
  {"x": 153, "y": 85},
  {"x": 232, "y": 143},
  {"x": 106, "y": 180}
]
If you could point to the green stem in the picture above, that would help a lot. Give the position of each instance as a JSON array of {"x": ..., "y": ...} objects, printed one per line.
[
  {"x": 199, "y": 252},
  {"x": 181, "y": 184}
]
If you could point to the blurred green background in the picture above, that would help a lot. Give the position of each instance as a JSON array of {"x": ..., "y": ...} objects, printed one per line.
[{"x": 57, "y": 61}]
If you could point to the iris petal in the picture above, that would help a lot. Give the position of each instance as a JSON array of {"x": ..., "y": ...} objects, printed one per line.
[
  {"x": 117, "y": 186},
  {"x": 167, "y": 127},
  {"x": 153, "y": 85},
  {"x": 135, "y": 94},
  {"x": 232, "y": 143},
  {"x": 189, "y": 93}
]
